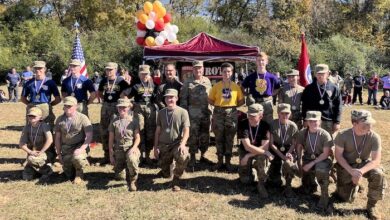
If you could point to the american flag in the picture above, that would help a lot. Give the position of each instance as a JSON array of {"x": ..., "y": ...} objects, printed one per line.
[{"x": 78, "y": 54}]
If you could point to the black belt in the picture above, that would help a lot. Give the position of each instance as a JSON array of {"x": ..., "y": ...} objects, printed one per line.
[{"x": 264, "y": 99}]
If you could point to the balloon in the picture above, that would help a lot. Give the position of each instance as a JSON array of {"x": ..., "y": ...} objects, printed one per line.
[
  {"x": 140, "y": 41},
  {"x": 176, "y": 42},
  {"x": 171, "y": 37},
  {"x": 152, "y": 15},
  {"x": 141, "y": 26},
  {"x": 149, "y": 41},
  {"x": 164, "y": 34},
  {"x": 150, "y": 24},
  {"x": 159, "y": 25},
  {"x": 175, "y": 29},
  {"x": 148, "y": 7},
  {"x": 141, "y": 33},
  {"x": 161, "y": 12},
  {"x": 136, "y": 20},
  {"x": 143, "y": 18},
  {"x": 167, "y": 18},
  {"x": 159, "y": 41},
  {"x": 139, "y": 13},
  {"x": 157, "y": 4},
  {"x": 168, "y": 28},
  {"x": 166, "y": 42}
]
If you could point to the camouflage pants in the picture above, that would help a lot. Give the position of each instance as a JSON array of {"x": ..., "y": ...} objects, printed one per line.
[
  {"x": 72, "y": 163},
  {"x": 279, "y": 167},
  {"x": 123, "y": 160},
  {"x": 224, "y": 128},
  {"x": 328, "y": 126},
  {"x": 82, "y": 107},
  {"x": 37, "y": 164},
  {"x": 47, "y": 113},
  {"x": 107, "y": 114},
  {"x": 376, "y": 183},
  {"x": 168, "y": 153},
  {"x": 199, "y": 130},
  {"x": 320, "y": 171},
  {"x": 259, "y": 163},
  {"x": 147, "y": 116},
  {"x": 268, "y": 113}
]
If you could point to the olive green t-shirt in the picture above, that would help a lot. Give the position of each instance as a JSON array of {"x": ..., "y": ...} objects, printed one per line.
[
  {"x": 123, "y": 139},
  {"x": 279, "y": 133},
  {"x": 172, "y": 124},
  {"x": 323, "y": 140},
  {"x": 35, "y": 137},
  {"x": 73, "y": 130},
  {"x": 344, "y": 139},
  {"x": 291, "y": 96}
]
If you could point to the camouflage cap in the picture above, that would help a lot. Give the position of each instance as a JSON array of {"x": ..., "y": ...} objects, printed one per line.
[
  {"x": 39, "y": 64},
  {"x": 197, "y": 63},
  {"x": 362, "y": 116},
  {"x": 70, "y": 100},
  {"x": 171, "y": 92},
  {"x": 75, "y": 62},
  {"x": 284, "y": 108},
  {"x": 313, "y": 116},
  {"x": 292, "y": 72},
  {"x": 322, "y": 68},
  {"x": 255, "y": 109},
  {"x": 144, "y": 69},
  {"x": 111, "y": 65},
  {"x": 123, "y": 103},
  {"x": 35, "y": 111}
]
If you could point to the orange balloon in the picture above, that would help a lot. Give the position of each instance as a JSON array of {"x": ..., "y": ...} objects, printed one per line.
[
  {"x": 176, "y": 42},
  {"x": 157, "y": 4},
  {"x": 150, "y": 41},
  {"x": 143, "y": 18},
  {"x": 161, "y": 12},
  {"x": 148, "y": 7},
  {"x": 139, "y": 13}
]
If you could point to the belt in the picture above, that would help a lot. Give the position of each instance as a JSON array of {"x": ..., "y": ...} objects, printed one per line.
[{"x": 264, "y": 99}]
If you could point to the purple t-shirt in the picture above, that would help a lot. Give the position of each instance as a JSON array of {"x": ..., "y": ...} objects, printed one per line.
[
  {"x": 386, "y": 82},
  {"x": 250, "y": 82}
]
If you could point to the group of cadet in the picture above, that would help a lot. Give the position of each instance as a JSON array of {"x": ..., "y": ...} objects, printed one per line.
[{"x": 171, "y": 122}]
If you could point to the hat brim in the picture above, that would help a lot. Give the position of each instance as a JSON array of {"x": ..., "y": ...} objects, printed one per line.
[
  {"x": 285, "y": 111},
  {"x": 123, "y": 105},
  {"x": 39, "y": 66},
  {"x": 36, "y": 115},
  {"x": 254, "y": 113},
  {"x": 322, "y": 72},
  {"x": 74, "y": 64},
  {"x": 312, "y": 119},
  {"x": 369, "y": 121},
  {"x": 70, "y": 103},
  {"x": 144, "y": 72}
]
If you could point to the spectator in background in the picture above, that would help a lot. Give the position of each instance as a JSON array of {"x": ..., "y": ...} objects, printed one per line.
[
  {"x": 96, "y": 81},
  {"x": 125, "y": 75},
  {"x": 346, "y": 96},
  {"x": 64, "y": 76},
  {"x": 386, "y": 82},
  {"x": 49, "y": 74},
  {"x": 13, "y": 80},
  {"x": 157, "y": 77},
  {"x": 275, "y": 91},
  {"x": 336, "y": 79},
  {"x": 27, "y": 75},
  {"x": 348, "y": 82},
  {"x": 384, "y": 103},
  {"x": 358, "y": 83},
  {"x": 372, "y": 84}
]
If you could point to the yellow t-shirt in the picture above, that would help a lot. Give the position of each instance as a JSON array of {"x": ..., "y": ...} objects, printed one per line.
[{"x": 226, "y": 97}]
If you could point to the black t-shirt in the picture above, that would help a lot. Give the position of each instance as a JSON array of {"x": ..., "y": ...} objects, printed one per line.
[
  {"x": 142, "y": 92},
  {"x": 243, "y": 132},
  {"x": 112, "y": 93}
]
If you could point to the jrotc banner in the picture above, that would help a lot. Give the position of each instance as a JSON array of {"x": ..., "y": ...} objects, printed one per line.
[{"x": 212, "y": 70}]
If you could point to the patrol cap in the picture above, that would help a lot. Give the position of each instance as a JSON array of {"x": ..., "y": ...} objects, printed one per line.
[
  {"x": 322, "y": 68},
  {"x": 362, "y": 116},
  {"x": 75, "y": 62},
  {"x": 39, "y": 64},
  {"x": 197, "y": 63},
  {"x": 35, "y": 111},
  {"x": 123, "y": 103},
  {"x": 145, "y": 69},
  {"x": 70, "y": 100},
  {"x": 255, "y": 109},
  {"x": 171, "y": 92},
  {"x": 313, "y": 116},
  {"x": 111, "y": 65},
  {"x": 284, "y": 108},
  {"x": 292, "y": 72}
]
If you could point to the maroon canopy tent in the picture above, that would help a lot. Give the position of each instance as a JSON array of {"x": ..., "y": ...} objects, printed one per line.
[{"x": 202, "y": 47}]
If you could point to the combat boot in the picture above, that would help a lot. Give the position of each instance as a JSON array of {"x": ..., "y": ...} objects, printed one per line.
[
  {"x": 192, "y": 161},
  {"x": 288, "y": 192},
  {"x": 372, "y": 210},
  {"x": 105, "y": 160},
  {"x": 262, "y": 191},
  {"x": 79, "y": 177},
  {"x": 324, "y": 199},
  {"x": 228, "y": 165},
  {"x": 219, "y": 164},
  {"x": 175, "y": 184},
  {"x": 132, "y": 186}
]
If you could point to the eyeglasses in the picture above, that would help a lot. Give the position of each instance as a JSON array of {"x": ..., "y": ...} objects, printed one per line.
[{"x": 67, "y": 106}]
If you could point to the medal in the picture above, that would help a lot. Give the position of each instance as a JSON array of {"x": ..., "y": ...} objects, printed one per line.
[
  {"x": 36, "y": 134},
  {"x": 293, "y": 98},
  {"x": 38, "y": 97},
  {"x": 322, "y": 93},
  {"x": 122, "y": 129},
  {"x": 359, "y": 148},
  {"x": 169, "y": 121},
  {"x": 37, "y": 91},
  {"x": 261, "y": 84},
  {"x": 253, "y": 141},
  {"x": 358, "y": 160},
  {"x": 109, "y": 97},
  {"x": 281, "y": 135},
  {"x": 167, "y": 130},
  {"x": 73, "y": 86},
  {"x": 294, "y": 108},
  {"x": 312, "y": 147},
  {"x": 322, "y": 102},
  {"x": 110, "y": 89},
  {"x": 226, "y": 92},
  {"x": 282, "y": 149},
  {"x": 72, "y": 94},
  {"x": 313, "y": 157}
]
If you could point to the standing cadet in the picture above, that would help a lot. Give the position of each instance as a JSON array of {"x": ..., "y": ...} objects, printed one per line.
[
  {"x": 358, "y": 154},
  {"x": 123, "y": 143},
  {"x": 38, "y": 91},
  {"x": 254, "y": 134},
  {"x": 78, "y": 86},
  {"x": 36, "y": 139},
  {"x": 226, "y": 96},
  {"x": 194, "y": 98},
  {"x": 261, "y": 86},
  {"x": 73, "y": 134},
  {"x": 145, "y": 110},
  {"x": 110, "y": 89},
  {"x": 291, "y": 94},
  {"x": 283, "y": 133},
  {"x": 171, "y": 82},
  {"x": 13, "y": 81},
  {"x": 314, "y": 145},
  {"x": 171, "y": 137}
]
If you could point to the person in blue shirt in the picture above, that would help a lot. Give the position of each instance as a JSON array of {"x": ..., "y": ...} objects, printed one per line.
[
  {"x": 27, "y": 75},
  {"x": 13, "y": 80},
  {"x": 78, "y": 86},
  {"x": 39, "y": 91}
]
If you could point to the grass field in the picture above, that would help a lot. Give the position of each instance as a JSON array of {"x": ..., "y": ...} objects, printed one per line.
[{"x": 206, "y": 195}]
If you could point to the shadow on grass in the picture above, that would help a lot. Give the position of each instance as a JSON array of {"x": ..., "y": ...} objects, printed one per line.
[
  {"x": 13, "y": 128},
  {"x": 212, "y": 184},
  {"x": 12, "y": 160},
  {"x": 10, "y": 145},
  {"x": 96, "y": 132},
  {"x": 98, "y": 180},
  {"x": 10, "y": 175}
]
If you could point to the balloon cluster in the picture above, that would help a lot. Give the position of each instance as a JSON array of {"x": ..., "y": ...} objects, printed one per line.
[{"x": 154, "y": 27}]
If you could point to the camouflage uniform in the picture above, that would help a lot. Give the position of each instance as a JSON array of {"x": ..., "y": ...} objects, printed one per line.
[{"x": 292, "y": 96}]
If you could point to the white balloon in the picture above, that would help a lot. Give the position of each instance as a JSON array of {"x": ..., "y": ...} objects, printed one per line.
[
  {"x": 168, "y": 28},
  {"x": 141, "y": 33},
  {"x": 152, "y": 15},
  {"x": 171, "y": 37},
  {"x": 159, "y": 40},
  {"x": 136, "y": 20},
  {"x": 175, "y": 29},
  {"x": 164, "y": 34},
  {"x": 150, "y": 24}
]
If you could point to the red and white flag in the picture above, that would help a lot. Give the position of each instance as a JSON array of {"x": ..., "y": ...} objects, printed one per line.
[{"x": 305, "y": 77}]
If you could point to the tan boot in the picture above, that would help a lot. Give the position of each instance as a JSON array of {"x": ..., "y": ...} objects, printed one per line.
[
  {"x": 132, "y": 186},
  {"x": 262, "y": 191},
  {"x": 79, "y": 177},
  {"x": 120, "y": 175},
  {"x": 175, "y": 184},
  {"x": 373, "y": 211},
  {"x": 219, "y": 164}
]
